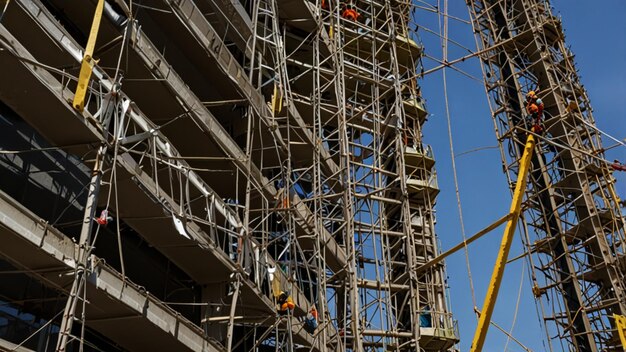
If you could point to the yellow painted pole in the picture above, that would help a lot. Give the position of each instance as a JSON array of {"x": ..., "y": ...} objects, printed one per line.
[
  {"x": 454, "y": 249},
  {"x": 87, "y": 65},
  {"x": 620, "y": 323},
  {"x": 505, "y": 246}
]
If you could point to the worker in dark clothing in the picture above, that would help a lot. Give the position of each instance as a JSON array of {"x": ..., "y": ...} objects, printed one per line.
[{"x": 534, "y": 107}]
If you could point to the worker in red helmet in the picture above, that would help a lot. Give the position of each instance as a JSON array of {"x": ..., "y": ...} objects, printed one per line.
[
  {"x": 534, "y": 107},
  {"x": 350, "y": 12}
]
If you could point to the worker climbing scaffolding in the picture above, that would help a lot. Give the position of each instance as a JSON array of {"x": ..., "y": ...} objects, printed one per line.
[
  {"x": 350, "y": 12},
  {"x": 534, "y": 108},
  {"x": 618, "y": 166},
  {"x": 285, "y": 303},
  {"x": 310, "y": 322}
]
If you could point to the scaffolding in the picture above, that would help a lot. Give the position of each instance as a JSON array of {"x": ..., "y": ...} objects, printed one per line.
[
  {"x": 226, "y": 155},
  {"x": 574, "y": 229}
]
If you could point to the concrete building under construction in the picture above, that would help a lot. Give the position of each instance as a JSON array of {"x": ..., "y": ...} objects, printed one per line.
[
  {"x": 221, "y": 175},
  {"x": 224, "y": 153}
]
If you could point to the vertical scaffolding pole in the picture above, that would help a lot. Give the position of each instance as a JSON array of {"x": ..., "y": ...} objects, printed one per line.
[
  {"x": 85, "y": 245},
  {"x": 84, "y": 248}
]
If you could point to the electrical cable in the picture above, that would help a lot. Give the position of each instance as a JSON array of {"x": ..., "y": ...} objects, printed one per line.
[
  {"x": 452, "y": 156},
  {"x": 517, "y": 304}
]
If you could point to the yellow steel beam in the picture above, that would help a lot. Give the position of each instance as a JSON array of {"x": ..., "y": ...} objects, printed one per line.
[
  {"x": 620, "y": 323},
  {"x": 505, "y": 246},
  {"x": 88, "y": 62},
  {"x": 454, "y": 249}
]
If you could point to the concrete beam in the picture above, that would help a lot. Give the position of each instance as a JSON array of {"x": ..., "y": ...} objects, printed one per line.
[
  {"x": 234, "y": 17},
  {"x": 204, "y": 34},
  {"x": 30, "y": 243}
]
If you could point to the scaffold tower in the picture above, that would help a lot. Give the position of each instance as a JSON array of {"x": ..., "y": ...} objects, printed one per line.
[{"x": 574, "y": 231}]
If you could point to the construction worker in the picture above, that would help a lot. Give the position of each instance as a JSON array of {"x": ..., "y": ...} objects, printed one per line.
[
  {"x": 617, "y": 166},
  {"x": 283, "y": 195},
  {"x": 534, "y": 107},
  {"x": 426, "y": 319},
  {"x": 350, "y": 12},
  {"x": 285, "y": 303},
  {"x": 310, "y": 323},
  {"x": 326, "y": 5}
]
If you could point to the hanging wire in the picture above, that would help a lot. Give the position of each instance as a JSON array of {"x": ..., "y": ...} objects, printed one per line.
[
  {"x": 444, "y": 35},
  {"x": 519, "y": 296},
  {"x": 16, "y": 347}
]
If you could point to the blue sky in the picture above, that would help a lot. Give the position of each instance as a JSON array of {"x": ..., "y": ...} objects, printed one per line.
[{"x": 596, "y": 34}]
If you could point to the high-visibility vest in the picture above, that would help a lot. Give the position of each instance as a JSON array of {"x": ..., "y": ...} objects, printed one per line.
[
  {"x": 350, "y": 14},
  {"x": 287, "y": 305},
  {"x": 535, "y": 107}
]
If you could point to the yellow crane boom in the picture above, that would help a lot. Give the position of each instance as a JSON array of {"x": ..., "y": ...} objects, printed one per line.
[
  {"x": 620, "y": 323},
  {"x": 505, "y": 246}
]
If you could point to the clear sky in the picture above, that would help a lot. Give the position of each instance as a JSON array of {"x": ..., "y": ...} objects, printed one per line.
[{"x": 596, "y": 32}]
